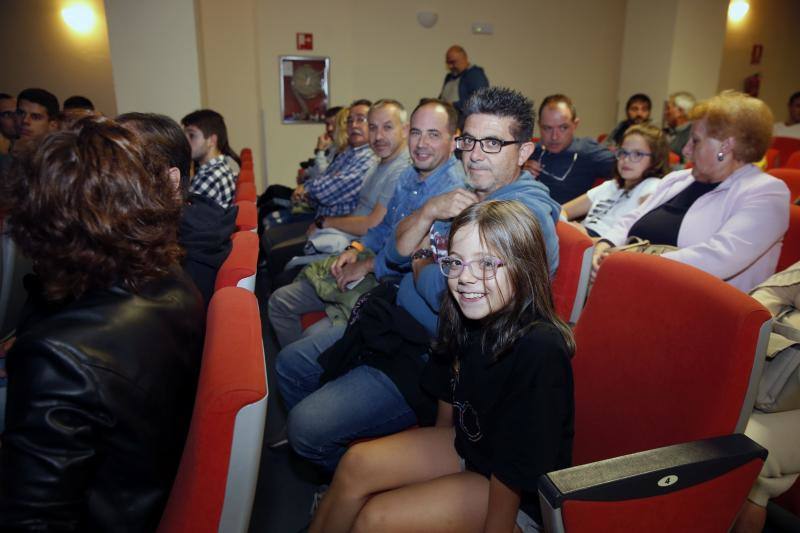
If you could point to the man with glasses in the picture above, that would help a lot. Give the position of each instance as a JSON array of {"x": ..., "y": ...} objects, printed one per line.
[
  {"x": 335, "y": 191},
  {"x": 37, "y": 114},
  {"x": 8, "y": 125},
  {"x": 566, "y": 164},
  {"x": 495, "y": 144}
]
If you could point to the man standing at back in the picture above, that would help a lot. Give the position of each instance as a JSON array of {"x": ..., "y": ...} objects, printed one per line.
[
  {"x": 566, "y": 164},
  {"x": 462, "y": 80},
  {"x": 208, "y": 137}
]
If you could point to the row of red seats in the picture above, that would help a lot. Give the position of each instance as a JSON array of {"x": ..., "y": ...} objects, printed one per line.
[{"x": 216, "y": 481}]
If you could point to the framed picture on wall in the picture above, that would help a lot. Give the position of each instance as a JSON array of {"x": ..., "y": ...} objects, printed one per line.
[{"x": 304, "y": 89}]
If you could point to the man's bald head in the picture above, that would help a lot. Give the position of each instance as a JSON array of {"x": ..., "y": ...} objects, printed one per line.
[{"x": 456, "y": 59}]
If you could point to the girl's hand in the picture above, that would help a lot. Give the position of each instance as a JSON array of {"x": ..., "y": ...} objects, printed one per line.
[{"x": 601, "y": 250}]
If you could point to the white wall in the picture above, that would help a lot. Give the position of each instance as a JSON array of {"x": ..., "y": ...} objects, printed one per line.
[
  {"x": 154, "y": 56},
  {"x": 378, "y": 50}
]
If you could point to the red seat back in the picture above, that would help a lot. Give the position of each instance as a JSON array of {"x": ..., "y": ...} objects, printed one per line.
[
  {"x": 572, "y": 277},
  {"x": 239, "y": 269},
  {"x": 674, "y": 159},
  {"x": 790, "y": 250},
  {"x": 786, "y": 146},
  {"x": 246, "y": 191},
  {"x": 793, "y": 161},
  {"x": 247, "y": 216},
  {"x": 213, "y": 490},
  {"x": 246, "y": 174},
  {"x": 665, "y": 354},
  {"x": 791, "y": 177}
]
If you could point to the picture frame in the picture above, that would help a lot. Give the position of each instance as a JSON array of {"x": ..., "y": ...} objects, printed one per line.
[{"x": 304, "y": 89}]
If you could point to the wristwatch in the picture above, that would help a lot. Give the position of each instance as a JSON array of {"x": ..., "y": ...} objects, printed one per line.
[
  {"x": 355, "y": 245},
  {"x": 422, "y": 253},
  {"x": 320, "y": 222}
]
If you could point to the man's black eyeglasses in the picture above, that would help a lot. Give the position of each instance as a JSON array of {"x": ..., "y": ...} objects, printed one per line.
[{"x": 489, "y": 145}]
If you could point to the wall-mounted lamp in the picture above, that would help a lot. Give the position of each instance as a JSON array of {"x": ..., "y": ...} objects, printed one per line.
[
  {"x": 79, "y": 17},
  {"x": 427, "y": 19},
  {"x": 737, "y": 9}
]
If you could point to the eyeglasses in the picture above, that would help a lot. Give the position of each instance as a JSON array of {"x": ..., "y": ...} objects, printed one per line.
[
  {"x": 7, "y": 114},
  {"x": 547, "y": 173},
  {"x": 356, "y": 120},
  {"x": 634, "y": 156},
  {"x": 483, "y": 268},
  {"x": 489, "y": 145}
]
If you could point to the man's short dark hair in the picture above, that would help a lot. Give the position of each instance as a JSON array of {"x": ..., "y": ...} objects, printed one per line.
[
  {"x": 44, "y": 98},
  {"x": 5, "y": 96},
  {"x": 504, "y": 102},
  {"x": 163, "y": 136},
  {"x": 361, "y": 101},
  {"x": 554, "y": 100},
  {"x": 794, "y": 97},
  {"x": 211, "y": 123},
  {"x": 639, "y": 97},
  {"x": 452, "y": 113},
  {"x": 78, "y": 102}
]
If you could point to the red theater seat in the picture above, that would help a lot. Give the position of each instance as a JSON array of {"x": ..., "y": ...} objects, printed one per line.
[
  {"x": 791, "y": 177},
  {"x": 666, "y": 354},
  {"x": 246, "y": 191},
  {"x": 216, "y": 480},
  {"x": 790, "y": 251},
  {"x": 786, "y": 146},
  {"x": 247, "y": 217},
  {"x": 246, "y": 175},
  {"x": 574, "y": 266},
  {"x": 793, "y": 161},
  {"x": 698, "y": 486},
  {"x": 239, "y": 269}
]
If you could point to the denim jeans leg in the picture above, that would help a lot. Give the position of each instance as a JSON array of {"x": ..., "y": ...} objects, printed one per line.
[
  {"x": 360, "y": 404},
  {"x": 297, "y": 367},
  {"x": 287, "y": 305}
]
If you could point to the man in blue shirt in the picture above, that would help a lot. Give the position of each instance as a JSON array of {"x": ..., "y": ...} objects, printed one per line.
[
  {"x": 376, "y": 396},
  {"x": 566, "y": 164},
  {"x": 434, "y": 170}
]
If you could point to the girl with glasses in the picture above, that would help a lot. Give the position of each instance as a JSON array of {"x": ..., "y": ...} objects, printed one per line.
[
  {"x": 501, "y": 371},
  {"x": 642, "y": 158}
]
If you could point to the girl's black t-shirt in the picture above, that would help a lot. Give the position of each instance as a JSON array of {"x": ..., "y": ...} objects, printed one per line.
[{"x": 514, "y": 418}]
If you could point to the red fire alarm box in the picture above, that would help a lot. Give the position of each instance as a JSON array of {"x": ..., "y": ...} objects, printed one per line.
[{"x": 305, "y": 41}]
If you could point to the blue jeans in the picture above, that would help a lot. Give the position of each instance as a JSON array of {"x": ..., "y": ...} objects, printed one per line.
[{"x": 324, "y": 420}]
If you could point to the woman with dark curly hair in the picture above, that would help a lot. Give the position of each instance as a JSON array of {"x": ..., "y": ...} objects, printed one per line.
[{"x": 104, "y": 367}]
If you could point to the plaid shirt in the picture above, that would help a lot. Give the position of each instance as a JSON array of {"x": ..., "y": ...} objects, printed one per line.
[
  {"x": 335, "y": 192},
  {"x": 215, "y": 181}
]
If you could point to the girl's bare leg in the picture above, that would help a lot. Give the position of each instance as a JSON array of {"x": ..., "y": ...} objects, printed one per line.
[{"x": 383, "y": 464}]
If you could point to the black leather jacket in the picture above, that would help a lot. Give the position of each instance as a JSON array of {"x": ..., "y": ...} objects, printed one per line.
[{"x": 100, "y": 396}]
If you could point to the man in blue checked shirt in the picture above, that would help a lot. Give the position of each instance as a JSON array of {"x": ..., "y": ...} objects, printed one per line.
[{"x": 335, "y": 192}]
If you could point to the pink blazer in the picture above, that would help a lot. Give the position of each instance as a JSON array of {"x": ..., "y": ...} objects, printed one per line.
[{"x": 733, "y": 232}]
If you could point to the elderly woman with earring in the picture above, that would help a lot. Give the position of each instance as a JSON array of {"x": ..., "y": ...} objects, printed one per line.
[{"x": 724, "y": 214}]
